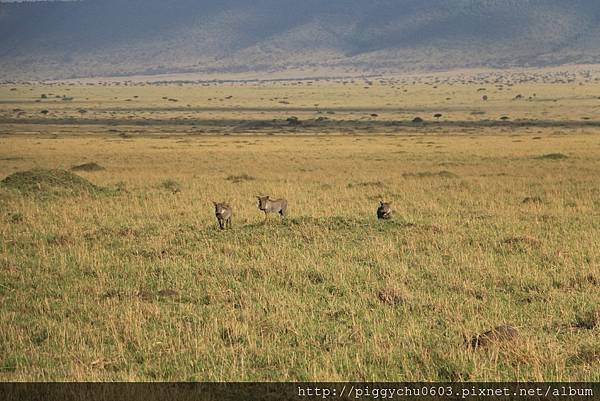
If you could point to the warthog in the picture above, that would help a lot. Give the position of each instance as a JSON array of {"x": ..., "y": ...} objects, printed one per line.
[
  {"x": 224, "y": 213},
  {"x": 269, "y": 205},
  {"x": 384, "y": 211}
]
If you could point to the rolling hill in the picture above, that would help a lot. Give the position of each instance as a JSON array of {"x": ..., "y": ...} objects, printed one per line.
[{"x": 46, "y": 40}]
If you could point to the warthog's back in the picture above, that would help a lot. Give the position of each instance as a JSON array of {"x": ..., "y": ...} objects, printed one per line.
[
  {"x": 277, "y": 205},
  {"x": 269, "y": 205}
]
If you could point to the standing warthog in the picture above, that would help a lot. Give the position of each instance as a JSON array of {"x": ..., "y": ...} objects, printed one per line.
[
  {"x": 224, "y": 213},
  {"x": 269, "y": 205},
  {"x": 384, "y": 211}
]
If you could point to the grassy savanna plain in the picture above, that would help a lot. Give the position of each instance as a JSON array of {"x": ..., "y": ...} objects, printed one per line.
[{"x": 496, "y": 222}]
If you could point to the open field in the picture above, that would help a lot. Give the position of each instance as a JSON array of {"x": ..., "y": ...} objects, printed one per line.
[
  {"x": 496, "y": 222},
  {"x": 555, "y": 99}
]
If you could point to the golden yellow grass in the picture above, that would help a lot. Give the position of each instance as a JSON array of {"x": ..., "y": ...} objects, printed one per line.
[
  {"x": 539, "y": 97},
  {"x": 141, "y": 284}
]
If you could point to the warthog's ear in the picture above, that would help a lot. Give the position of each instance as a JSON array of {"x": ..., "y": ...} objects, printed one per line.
[
  {"x": 214, "y": 203},
  {"x": 381, "y": 203}
]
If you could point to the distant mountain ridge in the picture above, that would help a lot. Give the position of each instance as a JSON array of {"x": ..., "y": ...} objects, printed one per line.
[{"x": 51, "y": 40}]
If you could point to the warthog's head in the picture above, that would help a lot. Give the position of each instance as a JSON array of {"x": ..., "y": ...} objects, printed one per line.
[
  {"x": 220, "y": 208},
  {"x": 262, "y": 202}
]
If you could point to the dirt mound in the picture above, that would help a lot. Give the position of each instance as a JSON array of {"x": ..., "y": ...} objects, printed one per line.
[
  {"x": 504, "y": 333},
  {"x": 49, "y": 182},
  {"x": 522, "y": 240},
  {"x": 88, "y": 167}
]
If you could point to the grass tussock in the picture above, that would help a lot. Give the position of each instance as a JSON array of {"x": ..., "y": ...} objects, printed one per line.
[
  {"x": 553, "y": 156},
  {"x": 366, "y": 184},
  {"x": 392, "y": 295},
  {"x": 16, "y": 217},
  {"x": 236, "y": 179},
  {"x": 170, "y": 185},
  {"x": 588, "y": 354},
  {"x": 536, "y": 200},
  {"x": 589, "y": 320},
  {"x": 431, "y": 174}
]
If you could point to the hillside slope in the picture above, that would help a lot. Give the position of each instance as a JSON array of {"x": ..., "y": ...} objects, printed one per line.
[{"x": 117, "y": 37}]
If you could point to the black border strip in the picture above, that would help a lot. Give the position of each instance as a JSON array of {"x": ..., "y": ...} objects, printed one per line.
[{"x": 297, "y": 391}]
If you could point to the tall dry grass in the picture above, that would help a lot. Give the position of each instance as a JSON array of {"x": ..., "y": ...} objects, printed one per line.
[{"x": 141, "y": 285}]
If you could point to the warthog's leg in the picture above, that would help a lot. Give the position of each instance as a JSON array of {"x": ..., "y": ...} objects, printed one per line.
[
  {"x": 221, "y": 224},
  {"x": 229, "y": 222}
]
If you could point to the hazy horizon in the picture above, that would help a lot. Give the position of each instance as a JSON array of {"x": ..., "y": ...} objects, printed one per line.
[{"x": 122, "y": 38}]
